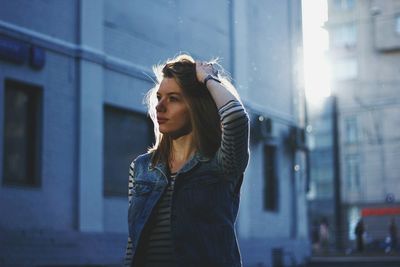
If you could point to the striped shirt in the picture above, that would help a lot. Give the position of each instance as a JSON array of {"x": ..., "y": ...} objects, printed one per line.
[
  {"x": 232, "y": 156},
  {"x": 156, "y": 245}
]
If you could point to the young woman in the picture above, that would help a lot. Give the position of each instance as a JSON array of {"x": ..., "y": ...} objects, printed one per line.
[{"x": 184, "y": 193}]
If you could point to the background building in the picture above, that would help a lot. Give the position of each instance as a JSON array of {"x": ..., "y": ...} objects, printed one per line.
[
  {"x": 365, "y": 56},
  {"x": 73, "y": 75},
  {"x": 324, "y": 205}
]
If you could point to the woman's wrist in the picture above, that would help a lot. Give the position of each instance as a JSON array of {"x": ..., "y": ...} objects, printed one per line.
[{"x": 210, "y": 77}]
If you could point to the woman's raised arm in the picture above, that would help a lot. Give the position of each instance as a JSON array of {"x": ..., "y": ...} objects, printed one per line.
[{"x": 233, "y": 154}]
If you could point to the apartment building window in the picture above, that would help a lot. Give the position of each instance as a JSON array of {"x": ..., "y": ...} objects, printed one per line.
[
  {"x": 398, "y": 23},
  {"x": 344, "y": 36},
  {"x": 345, "y": 69},
  {"x": 127, "y": 134},
  {"x": 351, "y": 128},
  {"x": 344, "y": 4},
  {"x": 270, "y": 179},
  {"x": 322, "y": 172},
  {"x": 353, "y": 172},
  {"x": 22, "y": 134}
]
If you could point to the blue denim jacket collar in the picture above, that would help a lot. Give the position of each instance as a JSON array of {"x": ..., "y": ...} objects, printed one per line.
[{"x": 190, "y": 164}]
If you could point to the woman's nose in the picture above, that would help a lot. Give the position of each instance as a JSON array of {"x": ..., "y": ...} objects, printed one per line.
[{"x": 160, "y": 106}]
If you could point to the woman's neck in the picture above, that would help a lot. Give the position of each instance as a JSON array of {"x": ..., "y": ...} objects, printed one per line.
[{"x": 183, "y": 149}]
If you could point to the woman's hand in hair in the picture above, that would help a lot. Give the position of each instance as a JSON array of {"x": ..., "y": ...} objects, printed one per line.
[
  {"x": 203, "y": 69},
  {"x": 218, "y": 91}
]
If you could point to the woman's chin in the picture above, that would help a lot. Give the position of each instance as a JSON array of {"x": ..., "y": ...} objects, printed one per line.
[{"x": 163, "y": 130}]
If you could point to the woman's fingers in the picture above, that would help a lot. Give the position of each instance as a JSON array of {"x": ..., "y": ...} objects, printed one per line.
[{"x": 203, "y": 69}]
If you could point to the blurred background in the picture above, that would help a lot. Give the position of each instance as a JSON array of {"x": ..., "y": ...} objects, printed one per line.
[{"x": 320, "y": 81}]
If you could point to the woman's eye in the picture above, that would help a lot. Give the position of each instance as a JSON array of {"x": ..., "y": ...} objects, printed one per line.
[{"x": 173, "y": 99}]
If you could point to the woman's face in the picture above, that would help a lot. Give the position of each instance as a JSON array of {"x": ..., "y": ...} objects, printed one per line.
[{"x": 172, "y": 109}]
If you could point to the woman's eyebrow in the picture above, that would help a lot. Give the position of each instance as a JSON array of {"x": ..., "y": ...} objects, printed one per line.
[
  {"x": 174, "y": 93},
  {"x": 171, "y": 93}
]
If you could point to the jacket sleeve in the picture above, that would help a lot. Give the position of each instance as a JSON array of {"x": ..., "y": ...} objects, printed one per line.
[
  {"x": 129, "y": 253},
  {"x": 233, "y": 154}
]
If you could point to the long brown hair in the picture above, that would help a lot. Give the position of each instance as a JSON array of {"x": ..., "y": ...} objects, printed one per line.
[{"x": 204, "y": 117}]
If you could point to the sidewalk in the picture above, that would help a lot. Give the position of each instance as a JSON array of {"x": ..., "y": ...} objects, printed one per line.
[
  {"x": 356, "y": 258},
  {"x": 367, "y": 259}
]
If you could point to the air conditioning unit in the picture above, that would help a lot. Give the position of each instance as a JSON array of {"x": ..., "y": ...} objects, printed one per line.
[{"x": 298, "y": 138}]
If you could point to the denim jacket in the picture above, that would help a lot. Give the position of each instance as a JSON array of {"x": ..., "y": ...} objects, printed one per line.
[{"x": 204, "y": 206}]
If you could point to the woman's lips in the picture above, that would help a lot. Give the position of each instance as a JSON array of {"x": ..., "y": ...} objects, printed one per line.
[{"x": 161, "y": 120}]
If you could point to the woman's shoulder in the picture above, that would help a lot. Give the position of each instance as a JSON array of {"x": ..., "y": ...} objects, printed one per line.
[{"x": 142, "y": 160}]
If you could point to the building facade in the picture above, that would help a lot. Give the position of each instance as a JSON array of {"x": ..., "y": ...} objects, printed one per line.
[
  {"x": 324, "y": 206},
  {"x": 365, "y": 56},
  {"x": 73, "y": 75}
]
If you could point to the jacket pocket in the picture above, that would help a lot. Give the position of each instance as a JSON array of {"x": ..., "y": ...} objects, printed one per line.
[{"x": 141, "y": 188}]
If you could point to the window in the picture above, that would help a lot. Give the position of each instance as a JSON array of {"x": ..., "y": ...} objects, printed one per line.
[
  {"x": 270, "y": 179},
  {"x": 353, "y": 172},
  {"x": 22, "y": 134},
  {"x": 126, "y": 135},
  {"x": 344, "y": 4},
  {"x": 345, "y": 69},
  {"x": 351, "y": 130},
  {"x": 344, "y": 36},
  {"x": 398, "y": 24}
]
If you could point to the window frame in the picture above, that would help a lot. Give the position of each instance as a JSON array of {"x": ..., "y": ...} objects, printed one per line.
[
  {"x": 353, "y": 182},
  {"x": 113, "y": 192},
  {"x": 34, "y": 143},
  {"x": 351, "y": 130},
  {"x": 397, "y": 23}
]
